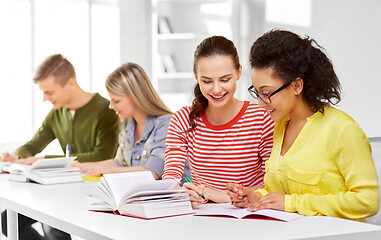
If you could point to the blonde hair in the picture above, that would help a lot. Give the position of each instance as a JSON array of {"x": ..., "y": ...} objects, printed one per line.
[{"x": 131, "y": 80}]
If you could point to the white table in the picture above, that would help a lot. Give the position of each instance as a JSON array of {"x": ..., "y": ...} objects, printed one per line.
[{"x": 65, "y": 206}]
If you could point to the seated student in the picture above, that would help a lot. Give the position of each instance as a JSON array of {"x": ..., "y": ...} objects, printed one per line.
[
  {"x": 225, "y": 139},
  {"x": 78, "y": 118},
  {"x": 144, "y": 127},
  {"x": 321, "y": 162}
]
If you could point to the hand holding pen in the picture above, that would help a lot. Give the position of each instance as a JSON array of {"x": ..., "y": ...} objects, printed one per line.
[
  {"x": 195, "y": 192},
  {"x": 243, "y": 197},
  {"x": 237, "y": 194}
]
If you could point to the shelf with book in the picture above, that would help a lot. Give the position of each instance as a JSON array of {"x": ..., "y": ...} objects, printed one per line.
[{"x": 177, "y": 28}]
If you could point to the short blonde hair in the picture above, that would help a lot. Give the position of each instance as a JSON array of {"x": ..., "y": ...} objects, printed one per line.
[
  {"x": 131, "y": 80},
  {"x": 58, "y": 67}
]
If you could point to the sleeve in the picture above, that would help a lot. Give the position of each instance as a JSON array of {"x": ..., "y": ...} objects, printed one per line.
[
  {"x": 106, "y": 141},
  {"x": 155, "y": 161},
  {"x": 266, "y": 144},
  {"x": 355, "y": 164},
  {"x": 40, "y": 140},
  {"x": 176, "y": 145}
]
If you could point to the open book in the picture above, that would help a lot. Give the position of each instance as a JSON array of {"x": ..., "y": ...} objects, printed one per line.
[
  {"x": 240, "y": 213},
  {"x": 138, "y": 194},
  {"x": 45, "y": 171}
]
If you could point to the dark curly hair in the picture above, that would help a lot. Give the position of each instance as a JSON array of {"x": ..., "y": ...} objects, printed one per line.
[
  {"x": 290, "y": 57},
  {"x": 209, "y": 47}
]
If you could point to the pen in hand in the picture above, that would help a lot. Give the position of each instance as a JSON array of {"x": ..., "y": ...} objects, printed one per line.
[
  {"x": 189, "y": 180},
  {"x": 67, "y": 150},
  {"x": 236, "y": 194}
]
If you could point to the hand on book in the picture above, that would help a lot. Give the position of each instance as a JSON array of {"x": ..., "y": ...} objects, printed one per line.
[
  {"x": 28, "y": 160},
  {"x": 272, "y": 200}
]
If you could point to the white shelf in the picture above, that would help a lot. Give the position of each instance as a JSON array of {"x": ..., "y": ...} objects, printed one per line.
[
  {"x": 178, "y": 26},
  {"x": 176, "y": 75},
  {"x": 175, "y": 36}
]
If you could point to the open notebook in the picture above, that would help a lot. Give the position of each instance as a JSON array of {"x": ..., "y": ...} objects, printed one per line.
[{"x": 231, "y": 211}]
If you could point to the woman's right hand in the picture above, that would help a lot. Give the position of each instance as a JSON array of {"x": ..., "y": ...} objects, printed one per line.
[
  {"x": 194, "y": 194},
  {"x": 246, "y": 197}
]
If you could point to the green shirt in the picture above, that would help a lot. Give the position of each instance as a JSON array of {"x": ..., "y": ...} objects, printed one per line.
[{"x": 92, "y": 133}]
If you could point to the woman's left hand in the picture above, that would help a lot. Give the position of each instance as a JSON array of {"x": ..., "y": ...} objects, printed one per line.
[{"x": 272, "y": 200}]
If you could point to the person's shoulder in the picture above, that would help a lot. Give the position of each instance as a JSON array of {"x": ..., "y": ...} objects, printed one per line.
[
  {"x": 254, "y": 109},
  {"x": 335, "y": 120},
  {"x": 183, "y": 111},
  {"x": 163, "y": 118},
  {"x": 337, "y": 116},
  {"x": 100, "y": 100}
]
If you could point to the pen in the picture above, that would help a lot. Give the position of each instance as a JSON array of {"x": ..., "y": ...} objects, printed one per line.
[
  {"x": 67, "y": 150},
  {"x": 236, "y": 194},
  {"x": 189, "y": 180}
]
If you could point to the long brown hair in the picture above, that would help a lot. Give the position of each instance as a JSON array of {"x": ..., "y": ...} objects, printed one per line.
[{"x": 209, "y": 47}]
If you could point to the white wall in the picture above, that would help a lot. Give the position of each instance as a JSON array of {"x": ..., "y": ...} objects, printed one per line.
[{"x": 350, "y": 31}]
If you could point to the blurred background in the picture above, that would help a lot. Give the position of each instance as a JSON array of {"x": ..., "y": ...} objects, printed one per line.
[{"x": 161, "y": 35}]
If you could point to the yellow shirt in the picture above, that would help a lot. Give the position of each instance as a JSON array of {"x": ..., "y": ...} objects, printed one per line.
[{"x": 327, "y": 171}]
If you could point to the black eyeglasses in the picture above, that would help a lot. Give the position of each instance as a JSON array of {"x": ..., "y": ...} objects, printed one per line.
[{"x": 265, "y": 97}]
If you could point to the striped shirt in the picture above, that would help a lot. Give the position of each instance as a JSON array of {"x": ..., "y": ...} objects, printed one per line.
[{"x": 233, "y": 152}]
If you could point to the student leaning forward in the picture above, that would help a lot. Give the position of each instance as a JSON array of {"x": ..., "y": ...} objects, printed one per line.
[{"x": 321, "y": 162}]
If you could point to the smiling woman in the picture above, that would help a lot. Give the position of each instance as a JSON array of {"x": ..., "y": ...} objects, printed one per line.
[
  {"x": 321, "y": 162},
  {"x": 145, "y": 120},
  {"x": 225, "y": 139}
]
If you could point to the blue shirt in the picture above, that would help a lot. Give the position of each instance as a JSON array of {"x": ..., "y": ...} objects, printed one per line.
[{"x": 149, "y": 150}]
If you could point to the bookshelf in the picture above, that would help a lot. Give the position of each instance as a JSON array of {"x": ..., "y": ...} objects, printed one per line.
[{"x": 178, "y": 26}]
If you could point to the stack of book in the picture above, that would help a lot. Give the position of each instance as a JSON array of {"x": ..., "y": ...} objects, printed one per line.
[
  {"x": 138, "y": 194},
  {"x": 45, "y": 171}
]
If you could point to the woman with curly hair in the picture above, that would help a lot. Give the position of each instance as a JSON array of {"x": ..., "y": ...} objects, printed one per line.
[{"x": 321, "y": 162}]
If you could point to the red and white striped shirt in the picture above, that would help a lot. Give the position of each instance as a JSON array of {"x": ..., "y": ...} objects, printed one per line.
[{"x": 233, "y": 152}]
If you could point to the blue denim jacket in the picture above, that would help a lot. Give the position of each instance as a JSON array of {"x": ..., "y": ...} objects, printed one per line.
[{"x": 149, "y": 149}]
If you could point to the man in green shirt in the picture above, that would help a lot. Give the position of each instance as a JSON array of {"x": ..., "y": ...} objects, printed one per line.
[{"x": 78, "y": 118}]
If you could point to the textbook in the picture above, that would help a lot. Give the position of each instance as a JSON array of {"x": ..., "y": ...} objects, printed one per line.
[
  {"x": 242, "y": 213},
  {"x": 45, "y": 171},
  {"x": 138, "y": 194}
]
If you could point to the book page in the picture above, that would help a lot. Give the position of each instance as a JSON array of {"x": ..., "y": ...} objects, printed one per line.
[
  {"x": 153, "y": 195},
  {"x": 120, "y": 183},
  {"x": 159, "y": 185},
  {"x": 242, "y": 213},
  {"x": 51, "y": 163}
]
